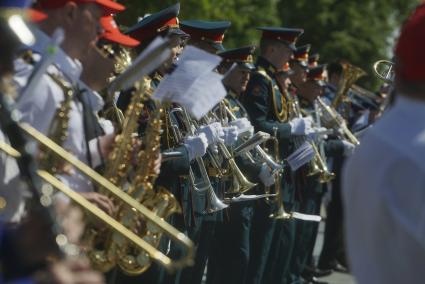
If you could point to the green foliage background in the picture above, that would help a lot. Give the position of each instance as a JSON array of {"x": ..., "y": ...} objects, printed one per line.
[{"x": 360, "y": 31}]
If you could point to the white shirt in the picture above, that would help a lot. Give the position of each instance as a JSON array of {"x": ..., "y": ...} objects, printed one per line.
[
  {"x": 384, "y": 198},
  {"x": 12, "y": 189},
  {"x": 39, "y": 107}
]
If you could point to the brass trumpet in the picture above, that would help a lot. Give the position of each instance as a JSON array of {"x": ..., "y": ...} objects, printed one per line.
[
  {"x": 332, "y": 119},
  {"x": 200, "y": 184},
  {"x": 247, "y": 146},
  {"x": 317, "y": 166},
  {"x": 240, "y": 183},
  {"x": 384, "y": 70}
]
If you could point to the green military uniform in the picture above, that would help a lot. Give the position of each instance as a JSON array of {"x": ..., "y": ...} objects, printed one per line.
[
  {"x": 310, "y": 194},
  {"x": 267, "y": 108},
  {"x": 228, "y": 262},
  {"x": 202, "y": 230}
]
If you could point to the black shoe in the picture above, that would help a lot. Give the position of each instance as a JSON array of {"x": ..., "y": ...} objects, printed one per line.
[
  {"x": 340, "y": 268},
  {"x": 335, "y": 266},
  {"x": 316, "y": 272},
  {"x": 314, "y": 280}
]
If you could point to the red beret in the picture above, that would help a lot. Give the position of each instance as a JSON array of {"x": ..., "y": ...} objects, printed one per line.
[{"x": 410, "y": 49}]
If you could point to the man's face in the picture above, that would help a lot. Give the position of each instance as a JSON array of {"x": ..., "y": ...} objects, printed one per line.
[
  {"x": 312, "y": 90},
  {"x": 238, "y": 78},
  {"x": 83, "y": 27},
  {"x": 299, "y": 76},
  {"x": 177, "y": 43},
  {"x": 97, "y": 69},
  {"x": 283, "y": 80},
  {"x": 284, "y": 54}
]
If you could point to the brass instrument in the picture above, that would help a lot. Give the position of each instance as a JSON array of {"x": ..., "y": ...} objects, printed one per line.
[
  {"x": 280, "y": 213},
  {"x": 58, "y": 130},
  {"x": 349, "y": 76},
  {"x": 202, "y": 184},
  {"x": 118, "y": 164},
  {"x": 384, "y": 70},
  {"x": 126, "y": 200},
  {"x": 83, "y": 203},
  {"x": 261, "y": 153},
  {"x": 328, "y": 176},
  {"x": 332, "y": 119},
  {"x": 123, "y": 60},
  {"x": 240, "y": 184},
  {"x": 318, "y": 165},
  {"x": 160, "y": 201}
]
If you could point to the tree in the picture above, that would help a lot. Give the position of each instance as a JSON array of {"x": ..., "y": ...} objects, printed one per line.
[
  {"x": 245, "y": 15},
  {"x": 361, "y": 32}
]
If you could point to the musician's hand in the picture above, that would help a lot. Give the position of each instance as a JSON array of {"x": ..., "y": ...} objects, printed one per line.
[
  {"x": 266, "y": 175},
  {"x": 213, "y": 132},
  {"x": 71, "y": 271},
  {"x": 100, "y": 201},
  {"x": 301, "y": 126},
  {"x": 244, "y": 126},
  {"x": 196, "y": 146},
  {"x": 230, "y": 135},
  {"x": 106, "y": 144}
]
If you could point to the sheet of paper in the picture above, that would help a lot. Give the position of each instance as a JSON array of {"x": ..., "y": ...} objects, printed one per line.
[
  {"x": 149, "y": 60},
  {"x": 301, "y": 156},
  {"x": 194, "y": 84},
  {"x": 306, "y": 217}
]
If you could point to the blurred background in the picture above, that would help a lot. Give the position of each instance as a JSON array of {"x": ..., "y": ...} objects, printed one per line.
[{"x": 360, "y": 31}]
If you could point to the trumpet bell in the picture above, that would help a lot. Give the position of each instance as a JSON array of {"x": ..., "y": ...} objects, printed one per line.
[
  {"x": 214, "y": 204},
  {"x": 280, "y": 214},
  {"x": 384, "y": 70}
]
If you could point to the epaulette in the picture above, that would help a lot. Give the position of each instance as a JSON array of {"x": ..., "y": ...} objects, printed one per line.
[{"x": 262, "y": 72}]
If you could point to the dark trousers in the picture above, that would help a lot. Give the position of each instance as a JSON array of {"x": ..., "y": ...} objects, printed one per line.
[
  {"x": 306, "y": 233},
  {"x": 229, "y": 258},
  {"x": 202, "y": 235},
  {"x": 279, "y": 260},
  {"x": 262, "y": 230},
  {"x": 333, "y": 244}
]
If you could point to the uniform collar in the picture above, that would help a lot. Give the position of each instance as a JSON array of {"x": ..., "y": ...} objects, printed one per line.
[
  {"x": 71, "y": 68},
  {"x": 266, "y": 65}
]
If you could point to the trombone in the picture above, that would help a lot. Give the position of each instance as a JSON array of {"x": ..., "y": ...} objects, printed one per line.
[
  {"x": 154, "y": 254},
  {"x": 384, "y": 70}
]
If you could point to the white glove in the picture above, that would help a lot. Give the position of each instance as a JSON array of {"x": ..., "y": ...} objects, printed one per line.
[
  {"x": 213, "y": 132},
  {"x": 230, "y": 135},
  {"x": 196, "y": 146},
  {"x": 318, "y": 134},
  {"x": 243, "y": 125},
  {"x": 266, "y": 175},
  {"x": 348, "y": 148},
  {"x": 301, "y": 126}
]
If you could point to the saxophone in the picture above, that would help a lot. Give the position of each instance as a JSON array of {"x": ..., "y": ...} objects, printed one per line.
[
  {"x": 58, "y": 128},
  {"x": 102, "y": 254},
  {"x": 160, "y": 201}
]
